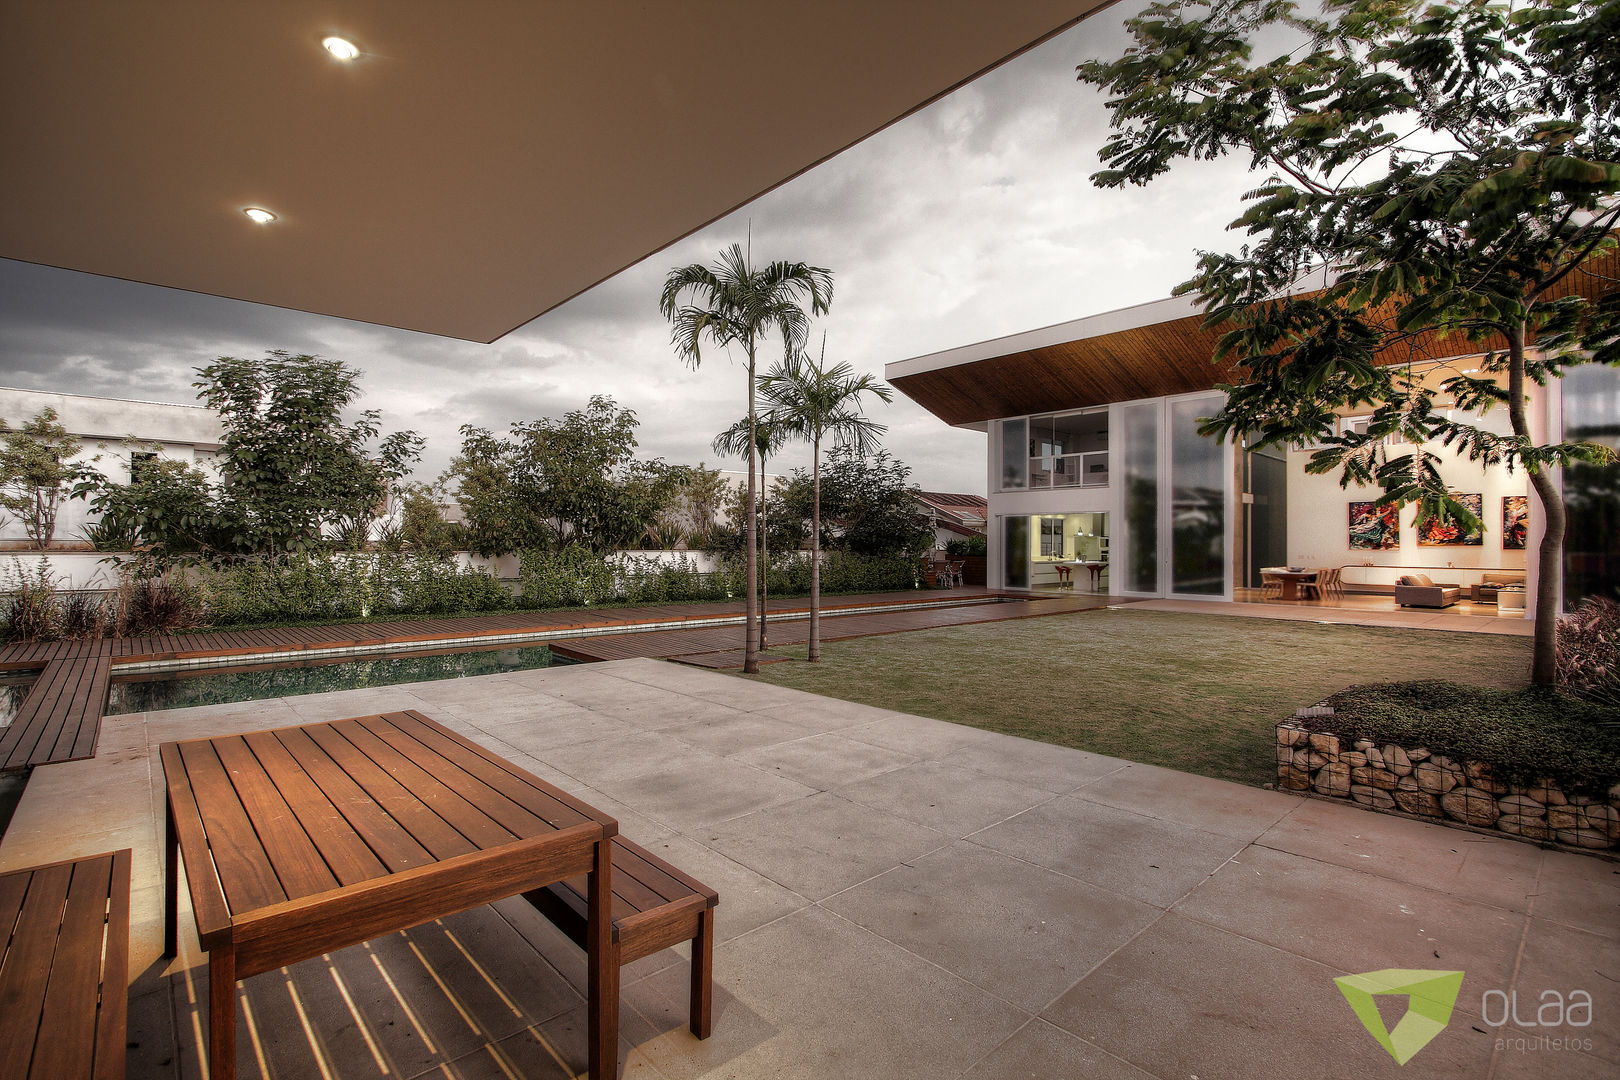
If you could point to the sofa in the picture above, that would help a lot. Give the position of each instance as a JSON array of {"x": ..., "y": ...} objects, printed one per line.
[
  {"x": 1495, "y": 581},
  {"x": 1416, "y": 590}
]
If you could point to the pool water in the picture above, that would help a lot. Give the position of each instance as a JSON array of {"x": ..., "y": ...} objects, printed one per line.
[{"x": 153, "y": 692}]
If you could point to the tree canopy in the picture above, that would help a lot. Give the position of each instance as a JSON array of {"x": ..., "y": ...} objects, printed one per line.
[
  {"x": 1437, "y": 180},
  {"x": 559, "y": 481},
  {"x": 291, "y": 462},
  {"x": 34, "y": 472}
]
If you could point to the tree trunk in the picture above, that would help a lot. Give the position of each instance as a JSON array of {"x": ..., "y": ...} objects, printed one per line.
[
  {"x": 751, "y": 551},
  {"x": 764, "y": 559},
  {"x": 1544, "y": 651},
  {"x": 815, "y": 552}
]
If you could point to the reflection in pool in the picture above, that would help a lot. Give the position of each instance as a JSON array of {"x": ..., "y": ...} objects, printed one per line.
[{"x": 151, "y": 692}]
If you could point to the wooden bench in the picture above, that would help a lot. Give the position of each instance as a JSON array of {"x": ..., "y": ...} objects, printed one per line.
[
  {"x": 654, "y": 906},
  {"x": 64, "y": 969}
]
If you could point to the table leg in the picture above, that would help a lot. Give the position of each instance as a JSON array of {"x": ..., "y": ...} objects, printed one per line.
[
  {"x": 603, "y": 972},
  {"x": 171, "y": 884},
  {"x": 222, "y": 1013}
]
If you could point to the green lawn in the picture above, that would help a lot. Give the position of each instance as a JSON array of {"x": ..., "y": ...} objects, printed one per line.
[{"x": 1200, "y": 693}]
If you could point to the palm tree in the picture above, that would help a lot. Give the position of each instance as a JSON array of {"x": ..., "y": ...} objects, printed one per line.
[
  {"x": 817, "y": 402},
  {"x": 732, "y": 303},
  {"x": 769, "y": 437}
]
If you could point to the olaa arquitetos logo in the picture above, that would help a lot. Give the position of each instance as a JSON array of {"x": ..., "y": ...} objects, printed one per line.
[{"x": 1430, "y": 997}]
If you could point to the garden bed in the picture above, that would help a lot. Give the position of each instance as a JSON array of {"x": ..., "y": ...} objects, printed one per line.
[{"x": 1529, "y": 764}]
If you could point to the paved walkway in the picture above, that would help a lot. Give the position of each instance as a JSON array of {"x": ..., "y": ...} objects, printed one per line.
[{"x": 900, "y": 898}]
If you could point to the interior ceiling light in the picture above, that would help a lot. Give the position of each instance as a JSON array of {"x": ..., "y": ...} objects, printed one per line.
[
  {"x": 259, "y": 214},
  {"x": 342, "y": 48}
]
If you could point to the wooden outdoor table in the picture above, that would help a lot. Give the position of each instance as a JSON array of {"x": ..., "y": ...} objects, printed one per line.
[{"x": 302, "y": 840}]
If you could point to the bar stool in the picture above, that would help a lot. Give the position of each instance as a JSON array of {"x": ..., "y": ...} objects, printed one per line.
[{"x": 1064, "y": 580}]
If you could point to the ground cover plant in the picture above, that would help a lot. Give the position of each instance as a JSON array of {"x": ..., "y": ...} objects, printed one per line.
[
  {"x": 1524, "y": 734},
  {"x": 1199, "y": 693}
]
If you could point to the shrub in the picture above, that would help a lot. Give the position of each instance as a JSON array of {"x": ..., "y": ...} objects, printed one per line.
[
  {"x": 1523, "y": 735},
  {"x": 303, "y": 587},
  {"x": 972, "y": 545},
  {"x": 572, "y": 577},
  {"x": 85, "y": 616},
  {"x": 1589, "y": 652},
  {"x": 158, "y": 604},
  {"x": 30, "y": 610}
]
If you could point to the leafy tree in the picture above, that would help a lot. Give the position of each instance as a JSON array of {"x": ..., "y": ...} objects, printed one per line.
[
  {"x": 422, "y": 528},
  {"x": 395, "y": 457},
  {"x": 818, "y": 403},
  {"x": 290, "y": 462},
  {"x": 34, "y": 472},
  {"x": 733, "y": 303},
  {"x": 167, "y": 510},
  {"x": 872, "y": 508},
  {"x": 1441, "y": 179},
  {"x": 556, "y": 482},
  {"x": 496, "y": 518}
]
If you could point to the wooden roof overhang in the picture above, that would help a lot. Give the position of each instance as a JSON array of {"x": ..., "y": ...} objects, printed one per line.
[{"x": 1166, "y": 352}]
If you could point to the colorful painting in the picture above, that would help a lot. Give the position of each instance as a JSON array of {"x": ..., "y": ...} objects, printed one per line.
[
  {"x": 1446, "y": 531},
  {"x": 1374, "y": 527},
  {"x": 1515, "y": 521}
]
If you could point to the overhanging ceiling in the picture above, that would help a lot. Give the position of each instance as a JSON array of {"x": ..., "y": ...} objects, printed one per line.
[
  {"x": 1155, "y": 349},
  {"x": 478, "y": 165}
]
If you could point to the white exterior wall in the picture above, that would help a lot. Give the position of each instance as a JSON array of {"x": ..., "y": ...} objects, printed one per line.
[{"x": 109, "y": 429}]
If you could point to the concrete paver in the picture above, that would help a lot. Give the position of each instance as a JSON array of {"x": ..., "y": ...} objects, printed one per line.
[{"x": 900, "y": 897}]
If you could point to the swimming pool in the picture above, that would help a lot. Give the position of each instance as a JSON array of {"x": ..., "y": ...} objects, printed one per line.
[{"x": 149, "y": 692}]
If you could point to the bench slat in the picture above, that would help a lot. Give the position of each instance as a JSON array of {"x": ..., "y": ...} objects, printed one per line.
[{"x": 64, "y": 969}]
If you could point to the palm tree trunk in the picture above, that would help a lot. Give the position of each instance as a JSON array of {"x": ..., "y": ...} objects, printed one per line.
[
  {"x": 1544, "y": 649},
  {"x": 815, "y": 552},
  {"x": 765, "y": 559},
  {"x": 751, "y": 551}
]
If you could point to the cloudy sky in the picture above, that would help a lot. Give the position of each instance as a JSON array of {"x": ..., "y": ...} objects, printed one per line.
[{"x": 969, "y": 220}]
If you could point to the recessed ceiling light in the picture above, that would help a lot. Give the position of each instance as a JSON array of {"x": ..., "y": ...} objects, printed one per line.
[
  {"x": 342, "y": 48},
  {"x": 259, "y": 214}
]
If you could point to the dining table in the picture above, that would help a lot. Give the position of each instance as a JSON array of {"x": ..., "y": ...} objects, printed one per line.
[
  {"x": 1296, "y": 583},
  {"x": 301, "y": 840}
]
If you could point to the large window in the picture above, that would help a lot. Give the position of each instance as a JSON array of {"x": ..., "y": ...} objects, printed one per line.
[
  {"x": 1055, "y": 450},
  {"x": 1142, "y": 498},
  {"x": 1198, "y": 507},
  {"x": 1068, "y": 449},
  {"x": 1014, "y": 456},
  {"x": 1591, "y": 396}
]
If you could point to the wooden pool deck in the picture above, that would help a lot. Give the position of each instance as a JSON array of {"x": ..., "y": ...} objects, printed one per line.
[{"x": 60, "y": 718}]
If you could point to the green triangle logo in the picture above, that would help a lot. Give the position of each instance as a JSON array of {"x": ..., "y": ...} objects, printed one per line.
[{"x": 1430, "y": 998}]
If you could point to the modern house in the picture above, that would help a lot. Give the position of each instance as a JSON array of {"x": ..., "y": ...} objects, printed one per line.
[
  {"x": 115, "y": 436},
  {"x": 1094, "y": 458}
]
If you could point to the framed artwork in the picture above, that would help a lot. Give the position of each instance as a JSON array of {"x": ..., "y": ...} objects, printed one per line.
[
  {"x": 1374, "y": 527},
  {"x": 1446, "y": 531},
  {"x": 1515, "y": 521}
]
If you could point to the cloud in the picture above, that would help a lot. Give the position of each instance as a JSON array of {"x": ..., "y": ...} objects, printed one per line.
[{"x": 971, "y": 219}]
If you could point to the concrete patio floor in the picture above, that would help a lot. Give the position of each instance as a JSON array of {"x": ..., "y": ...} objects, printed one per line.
[{"x": 900, "y": 897}]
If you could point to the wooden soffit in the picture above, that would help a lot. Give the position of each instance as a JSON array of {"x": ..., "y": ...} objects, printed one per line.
[{"x": 1161, "y": 358}]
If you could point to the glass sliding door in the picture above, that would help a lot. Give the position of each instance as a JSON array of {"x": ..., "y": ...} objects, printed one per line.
[
  {"x": 1141, "y": 570},
  {"x": 1198, "y": 501},
  {"x": 1591, "y": 396},
  {"x": 1015, "y": 541}
]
